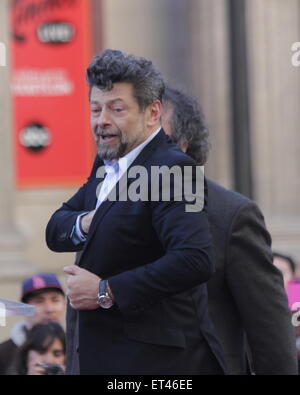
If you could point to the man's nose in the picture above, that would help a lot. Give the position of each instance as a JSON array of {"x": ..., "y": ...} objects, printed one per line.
[
  {"x": 104, "y": 119},
  {"x": 49, "y": 307}
]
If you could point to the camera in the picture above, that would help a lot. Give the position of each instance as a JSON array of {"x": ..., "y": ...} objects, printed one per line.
[{"x": 52, "y": 370}]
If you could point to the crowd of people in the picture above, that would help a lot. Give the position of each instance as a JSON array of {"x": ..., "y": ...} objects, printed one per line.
[
  {"x": 155, "y": 289},
  {"x": 37, "y": 346}
]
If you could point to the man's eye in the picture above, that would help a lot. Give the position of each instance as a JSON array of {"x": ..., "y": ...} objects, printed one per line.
[
  {"x": 38, "y": 301},
  {"x": 95, "y": 110},
  {"x": 118, "y": 109}
]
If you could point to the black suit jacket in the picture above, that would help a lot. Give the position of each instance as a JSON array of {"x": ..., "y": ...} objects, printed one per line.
[
  {"x": 8, "y": 353},
  {"x": 247, "y": 302},
  {"x": 246, "y": 294},
  {"x": 155, "y": 255}
]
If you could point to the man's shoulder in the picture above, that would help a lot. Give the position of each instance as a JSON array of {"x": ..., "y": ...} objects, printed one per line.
[
  {"x": 8, "y": 351},
  {"x": 219, "y": 197},
  {"x": 7, "y": 345},
  {"x": 169, "y": 154},
  {"x": 226, "y": 206}
]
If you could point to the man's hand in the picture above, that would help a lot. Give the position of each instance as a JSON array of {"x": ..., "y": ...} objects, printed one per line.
[
  {"x": 82, "y": 288},
  {"x": 86, "y": 220}
]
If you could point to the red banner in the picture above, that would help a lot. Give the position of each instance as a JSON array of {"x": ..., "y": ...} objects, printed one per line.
[{"x": 51, "y": 48}]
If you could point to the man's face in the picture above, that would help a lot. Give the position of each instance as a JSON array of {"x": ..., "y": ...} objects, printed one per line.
[
  {"x": 285, "y": 269},
  {"x": 117, "y": 122},
  {"x": 50, "y": 306}
]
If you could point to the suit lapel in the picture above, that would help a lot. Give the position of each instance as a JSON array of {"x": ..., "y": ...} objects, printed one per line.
[
  {"x": 92, "y": 194},
  {"x": 94, "y": 182}
]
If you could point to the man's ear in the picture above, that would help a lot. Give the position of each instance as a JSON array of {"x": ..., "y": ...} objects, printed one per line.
[
  {"x": 184, "y": 147},
  {"x": 153, "y": 114}
]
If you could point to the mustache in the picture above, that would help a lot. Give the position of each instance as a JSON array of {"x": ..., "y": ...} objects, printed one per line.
[{"x": 99, "y": 132}]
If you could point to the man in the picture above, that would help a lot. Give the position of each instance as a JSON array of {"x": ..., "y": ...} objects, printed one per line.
[
  {"x": 139, "y": 284},
  {"x": 246, "y": 296},
  {"x": 287, "y": 267},
  {"x": 45, "y": 292}
]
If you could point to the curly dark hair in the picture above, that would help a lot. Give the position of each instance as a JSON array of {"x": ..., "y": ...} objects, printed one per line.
[
  {"x": 113, "y": 66},
  {"x": 188, "y": 124},
  {"x": 39, "y": 338}
]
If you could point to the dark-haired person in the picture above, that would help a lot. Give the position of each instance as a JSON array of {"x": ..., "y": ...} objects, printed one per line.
[
  {"x": 45, "y": 292},
  {"x": 148, "y": 260},
  {"x": 246, "y": 296},
  {"x": 286, "y": 265},
  {"x": 43, "y": 353}
]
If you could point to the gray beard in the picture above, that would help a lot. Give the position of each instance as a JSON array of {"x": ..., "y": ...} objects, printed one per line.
[
  {"x": 116, "y": 152},
  {"x": 112, "y": 153}
]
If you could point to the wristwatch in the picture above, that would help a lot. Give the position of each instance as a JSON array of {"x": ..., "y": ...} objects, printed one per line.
[{"x": 104, "y": 300}]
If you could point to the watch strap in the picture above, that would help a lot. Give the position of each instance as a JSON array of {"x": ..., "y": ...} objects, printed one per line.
[{"x": 102, "y": 287}]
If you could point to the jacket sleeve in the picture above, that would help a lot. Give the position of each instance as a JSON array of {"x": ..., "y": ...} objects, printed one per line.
[
  {"x": 187, "y": 262},
  {"x": 257, "y": 288},
  {"x": 61, "y": 225}
]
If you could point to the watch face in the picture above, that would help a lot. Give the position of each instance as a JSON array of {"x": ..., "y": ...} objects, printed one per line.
[{"x": 105, "y": 302}]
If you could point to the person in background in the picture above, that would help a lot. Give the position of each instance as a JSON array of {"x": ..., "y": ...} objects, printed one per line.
[
  {"x": 286, "y": 265},
  {"x": 246, "y": 296},
  {"x": 45, "y": 292},
  {"x": 43, "y": 353}
]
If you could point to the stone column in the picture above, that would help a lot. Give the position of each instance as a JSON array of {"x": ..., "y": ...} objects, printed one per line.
[
  {"x": 12, "y": 263},
  {"x": 273, "y": 26},
  {"x": 188, "y": 41},
  {"x": 209, "y": 57},
  {"x": 159, "y": 30}
]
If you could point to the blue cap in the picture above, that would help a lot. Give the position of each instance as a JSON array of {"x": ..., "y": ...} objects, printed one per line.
[{"x": 40, "y": 282}]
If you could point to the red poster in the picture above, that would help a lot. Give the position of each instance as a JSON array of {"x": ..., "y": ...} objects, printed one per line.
[{"x": 51, "y": 48}]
